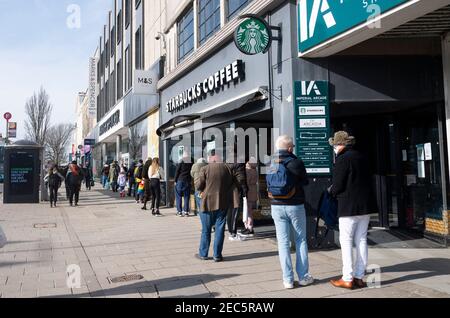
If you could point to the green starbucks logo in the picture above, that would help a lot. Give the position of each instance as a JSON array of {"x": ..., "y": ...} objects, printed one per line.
[{"x": 253, "y": 36}]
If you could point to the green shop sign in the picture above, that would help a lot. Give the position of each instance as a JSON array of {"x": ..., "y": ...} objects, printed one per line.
[
  {"x": 322, "y": 20},
  {"x": 312, "y": 125},
  {"x": 253, "y": 36}
]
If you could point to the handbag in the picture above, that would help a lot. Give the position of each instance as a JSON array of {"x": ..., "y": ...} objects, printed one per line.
[{"x": 3, "y": 239}]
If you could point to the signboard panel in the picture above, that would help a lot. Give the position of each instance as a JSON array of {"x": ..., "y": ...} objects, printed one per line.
[
  {"x": 92, "y": 91},
  {"x": 22, "y": 173},
  {"x": 322, "y": 20},
  {"x": 12, "y": 130},
  {"x": 312, "y": 125}
]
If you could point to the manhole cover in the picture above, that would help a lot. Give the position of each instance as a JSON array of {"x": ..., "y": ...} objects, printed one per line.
[
  {"x": 126, "y": 278},
  {"x": 44, "y": 225}
]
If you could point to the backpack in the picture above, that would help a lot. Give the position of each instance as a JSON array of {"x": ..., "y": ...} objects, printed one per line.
[
  {"x": 328, "y": 212},
  {"x": 280, "y": 181}
]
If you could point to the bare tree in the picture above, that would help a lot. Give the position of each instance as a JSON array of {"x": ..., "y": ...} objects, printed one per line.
[
  {"x": 57, "y": 140},
  {"x": 137, "y": 140},
  {"x": 38, "y": 111}
]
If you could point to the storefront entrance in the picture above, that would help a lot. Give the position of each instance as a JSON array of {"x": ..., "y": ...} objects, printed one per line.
[{"x": 404, "y": 148}]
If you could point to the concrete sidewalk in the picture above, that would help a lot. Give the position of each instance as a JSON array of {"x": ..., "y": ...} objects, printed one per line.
[{"x": 109, "y": 237}]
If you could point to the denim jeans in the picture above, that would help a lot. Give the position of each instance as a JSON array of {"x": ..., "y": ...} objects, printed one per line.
[
  {"x": 198, "y": 201},
  {"x": 183, "y": 190},
  {"x": 104, "y": 179},
  {"x": 209, "y": 219},
  {"x": 289, "y": 218}
]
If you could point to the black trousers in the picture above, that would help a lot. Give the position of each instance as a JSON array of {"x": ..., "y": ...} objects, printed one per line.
[
  {"x": 53, "y": 194},
  {"x": 155, "y": 187},
  {"x": 147, "y": 192},
  {"x": 232, "y": 220},
  {"x": 74, "y": 194}
]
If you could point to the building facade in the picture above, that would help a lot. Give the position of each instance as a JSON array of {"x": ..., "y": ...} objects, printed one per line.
[
  {"x": 380, "y": 73},
  {"x": 127, "y": 73}
]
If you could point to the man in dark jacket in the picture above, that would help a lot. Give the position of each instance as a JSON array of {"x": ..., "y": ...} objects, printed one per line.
[
  {"x": 74, "y": 178},
  {"x": 352, "y": 188},
  {"x": 131, "y": 179},
  {"x": 289, "y": 213},
  {"x": 183, "y": 181},
  {"x": 147, "y": 186}
]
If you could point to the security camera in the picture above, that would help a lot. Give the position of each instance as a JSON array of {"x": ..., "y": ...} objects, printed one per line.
[{"x": 157, "y": 37}]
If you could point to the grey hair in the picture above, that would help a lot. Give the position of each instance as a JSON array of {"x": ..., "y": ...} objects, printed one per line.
[{"x": 284, "y": 142}]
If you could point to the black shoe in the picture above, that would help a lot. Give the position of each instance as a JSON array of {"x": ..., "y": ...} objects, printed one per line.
[
  {"x": 157, "y": 213},
  {"x": 197, "y": 256},
  {"x": 153, "y": 212},
  {"x": 218, "y": 259},
  {"x": 144, "y": 208},
  {"x": 248, "y": 233}
]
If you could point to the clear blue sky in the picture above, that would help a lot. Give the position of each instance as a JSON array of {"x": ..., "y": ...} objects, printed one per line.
[{"x": 38, "y": 48}]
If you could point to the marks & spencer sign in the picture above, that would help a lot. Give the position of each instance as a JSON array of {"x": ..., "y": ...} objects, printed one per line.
[{"x": 231, "y": 73}]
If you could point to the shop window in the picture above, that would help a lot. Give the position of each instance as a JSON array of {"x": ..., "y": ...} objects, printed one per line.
[
  {"x": 186, "y": 35},
  {"x": 138, "y": 49},
  {"x": 235, "y": 6},
  {"x": 208, "y": 19}
]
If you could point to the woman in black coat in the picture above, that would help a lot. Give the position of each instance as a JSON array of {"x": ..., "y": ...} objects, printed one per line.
[{"x": 352, "y": 188}]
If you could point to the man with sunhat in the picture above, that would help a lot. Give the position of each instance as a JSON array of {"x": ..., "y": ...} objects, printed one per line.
[{"x": 352, "y": 188}]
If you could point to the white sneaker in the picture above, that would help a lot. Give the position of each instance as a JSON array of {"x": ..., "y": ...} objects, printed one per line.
[
  {"x": 308, "y": 280},
  {"x": 234, "y": 238},
  {"x": 288, "y": 285}
]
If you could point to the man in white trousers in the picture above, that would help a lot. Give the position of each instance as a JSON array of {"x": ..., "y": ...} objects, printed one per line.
[{"x": 352, "y": 188}]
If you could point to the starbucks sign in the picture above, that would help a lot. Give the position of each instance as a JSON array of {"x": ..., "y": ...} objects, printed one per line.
[{"x": 253, "y": 36}]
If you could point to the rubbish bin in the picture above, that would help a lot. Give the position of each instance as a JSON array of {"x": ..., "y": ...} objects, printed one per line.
[{"x": 22, "y": 172}]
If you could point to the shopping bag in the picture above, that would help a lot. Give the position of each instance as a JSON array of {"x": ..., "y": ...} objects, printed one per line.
[
  {"x": 3, "y": 239},
  {"x": 245, "y": 211}
]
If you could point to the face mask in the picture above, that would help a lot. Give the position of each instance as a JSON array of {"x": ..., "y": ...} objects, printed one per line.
[{"x": 336, "y": 150}]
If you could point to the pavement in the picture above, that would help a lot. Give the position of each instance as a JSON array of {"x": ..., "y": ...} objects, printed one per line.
[{"x": 107, "y": 238}]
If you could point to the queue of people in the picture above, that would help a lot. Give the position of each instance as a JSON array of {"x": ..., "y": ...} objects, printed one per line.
[{"x": 220, "y": 189}]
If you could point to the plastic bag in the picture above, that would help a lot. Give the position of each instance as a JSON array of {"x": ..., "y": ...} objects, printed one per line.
[
  {"x": 245, "y": 211},
  {"x": 3, "y": 239}
]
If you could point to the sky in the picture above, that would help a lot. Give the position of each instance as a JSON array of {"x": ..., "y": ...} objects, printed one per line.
[{"x": 42, "y": 45}]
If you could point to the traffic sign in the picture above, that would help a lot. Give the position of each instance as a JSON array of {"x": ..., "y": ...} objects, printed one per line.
[{"x": 7, "y": 116}]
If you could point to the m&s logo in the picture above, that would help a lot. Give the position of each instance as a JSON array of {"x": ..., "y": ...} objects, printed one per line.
[
  {"x": 308, "y": 87},
  {"x": 308, "y": 20}
]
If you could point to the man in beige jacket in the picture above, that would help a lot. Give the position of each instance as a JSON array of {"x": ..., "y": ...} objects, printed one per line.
[{"x": 214, "y": 183}]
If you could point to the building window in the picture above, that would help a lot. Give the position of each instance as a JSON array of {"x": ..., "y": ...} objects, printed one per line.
[
  {"x": 208, "y": 19},
  {"x": 119, "y": 27},
  {"x": 186, "y": 35},
  {"x": 108, "y": 48},
  {"x": 127, "y": 13},
  {"x": 138, "y": 49},
  {"x": 235, "y": 6},
  {"x": 119, "y": 80},
  {"x": 138, "y": 3},
  {"x": 127, "y": 69},
  {"x": 113, "y": 41}
]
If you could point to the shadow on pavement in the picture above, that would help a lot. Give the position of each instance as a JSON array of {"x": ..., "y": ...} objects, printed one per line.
[
  {"x": 163, "y": 288},
  {"x": 431, "y": 267},
  {"x": 236, "y": 258}
]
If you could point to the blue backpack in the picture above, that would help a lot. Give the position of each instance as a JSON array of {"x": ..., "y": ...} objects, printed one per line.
[{"x": 280, "y": 181}]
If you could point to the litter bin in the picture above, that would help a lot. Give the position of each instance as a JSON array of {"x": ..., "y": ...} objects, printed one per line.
[{"x": 22, "y": 173}]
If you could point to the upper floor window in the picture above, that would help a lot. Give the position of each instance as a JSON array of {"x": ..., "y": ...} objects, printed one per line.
[
  {"x": 127, "y": 13},
  {"x": 235, "y": 6},
  {"x": 138, "y": 3},
  {"x": 138, "y": 49},
  {"x": 208, "y": 19},
  {"x": 186, "y": 34}
]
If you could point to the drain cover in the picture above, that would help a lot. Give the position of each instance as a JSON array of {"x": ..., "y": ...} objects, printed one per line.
[
  {"x": 44, "y": 225},
  {"x": 126, "y": 278}
]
